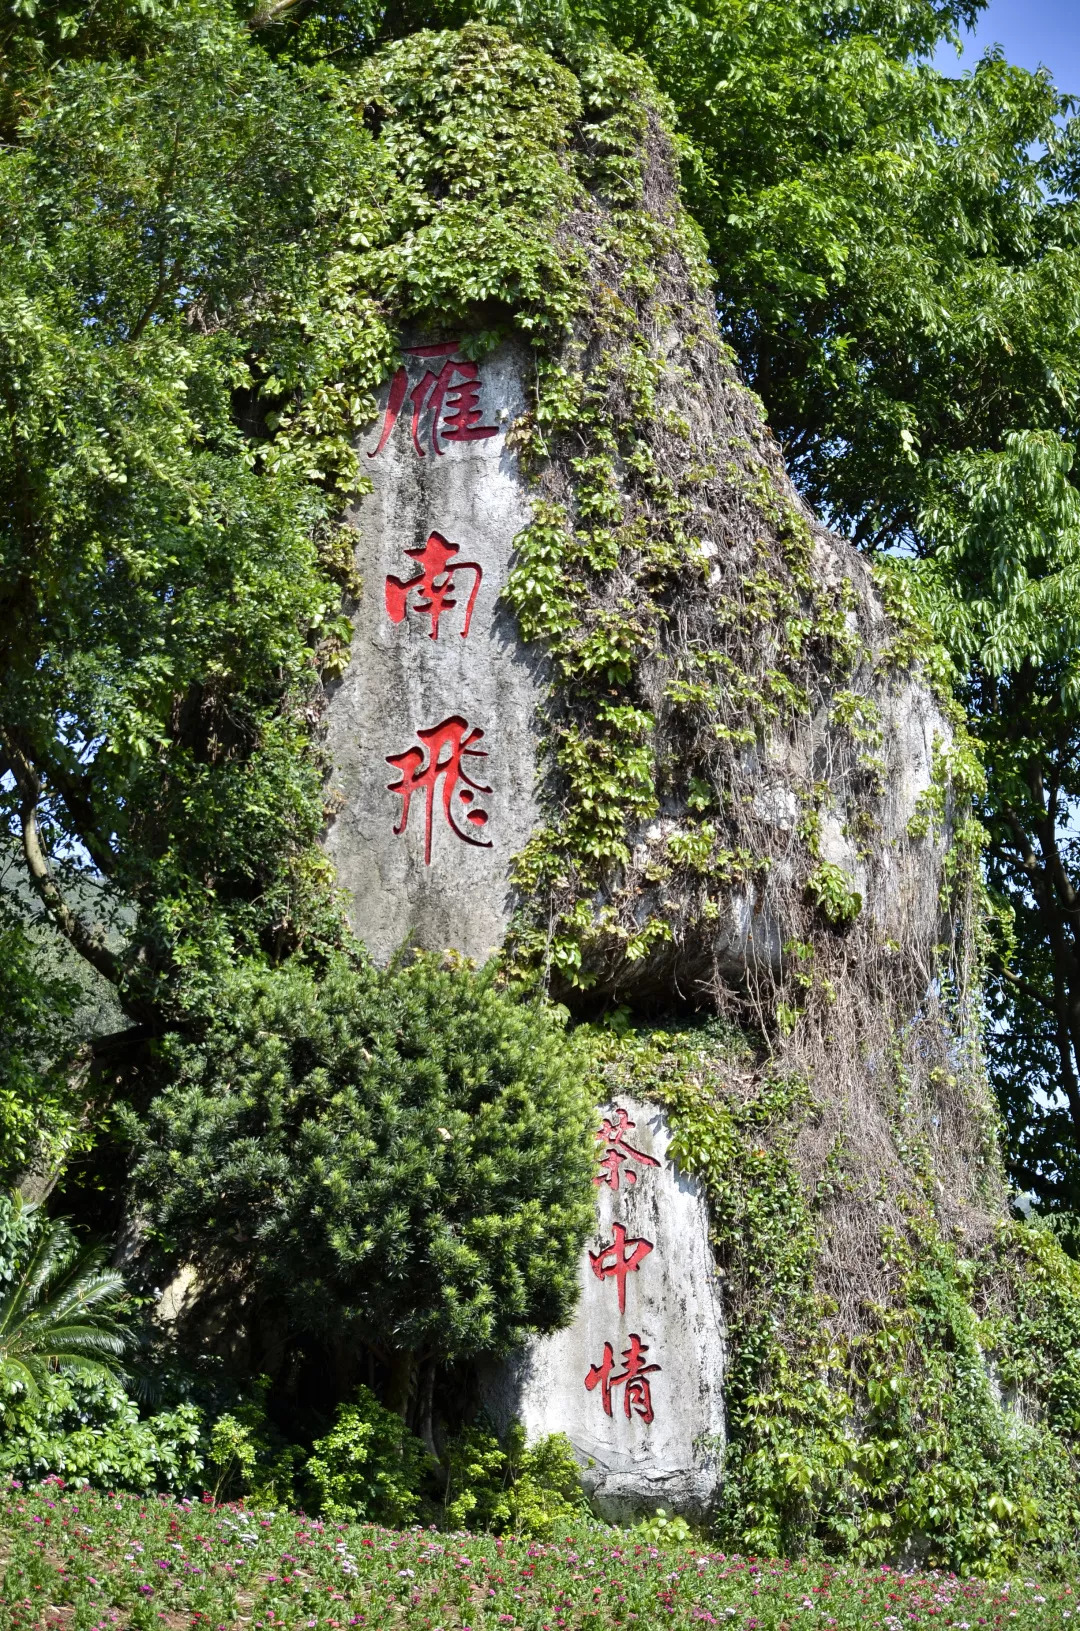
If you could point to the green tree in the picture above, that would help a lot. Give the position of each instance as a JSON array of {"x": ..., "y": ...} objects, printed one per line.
[
  {"x": 368, "y": 1466},
  {"x": 39, "y": 1105},
  {"x": 405, "y": 1158},
  {"x": 168, "y": 596},
  {"x": 1003, "y": 586},
  {"x": 185, "y": 350}
]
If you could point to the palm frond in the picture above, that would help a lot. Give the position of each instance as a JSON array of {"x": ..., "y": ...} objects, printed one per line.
[
  {"x": 57, "y": 1314},
  {"x": 86, "y": 1339},
  {"x": 27, "y": 1372},
  {"x": 47, "y": 1251},
  {"x": 86, "y": 1291},
  {"x": 95, "y": 1369}
]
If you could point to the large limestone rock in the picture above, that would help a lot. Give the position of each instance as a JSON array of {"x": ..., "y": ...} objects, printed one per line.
[
  {"x": 439, "y": 668},
  {"x": 726, "y": 671}
]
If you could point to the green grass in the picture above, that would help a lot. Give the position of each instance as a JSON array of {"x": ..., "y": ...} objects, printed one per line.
[{"x": 91, "y": 1562}]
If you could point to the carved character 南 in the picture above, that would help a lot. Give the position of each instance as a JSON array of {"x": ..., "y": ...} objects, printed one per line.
[
  {"x": 439, "y": 758},
  {"x": 431, "y": 592},
  {"x": 638, "y": 1394},
  {"x": 449, "y": 399},
  {"x": 616, "y": 1151},
  {"x": 619, "y": 1259}
]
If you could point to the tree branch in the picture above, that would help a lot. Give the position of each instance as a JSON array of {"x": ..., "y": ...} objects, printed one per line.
[
  {"x": 1022, "y": 844},
  {"x": 76, "y": 800},
  {"x": 266, "y": 15},
  {"x": 1053, "y": 867},
  {"x": 1026, "y": 989},
  {"x": 88, "y": 942}
]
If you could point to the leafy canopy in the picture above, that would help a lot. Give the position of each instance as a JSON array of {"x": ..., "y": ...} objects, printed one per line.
[
  {"x": 205, "y": 254},
  {"x": 160, "y": 581}
]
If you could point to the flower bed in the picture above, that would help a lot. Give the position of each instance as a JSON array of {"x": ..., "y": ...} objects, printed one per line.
[{"x": 90, "y": 1562}]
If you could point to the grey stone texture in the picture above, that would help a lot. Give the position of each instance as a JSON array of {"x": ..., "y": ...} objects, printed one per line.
[
  {"x": 672, "y": 1306},
  {"x": 458, "y": 480}
]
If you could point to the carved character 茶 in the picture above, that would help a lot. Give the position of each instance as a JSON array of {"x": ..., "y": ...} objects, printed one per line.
[{"x": 617, "y": 1151}]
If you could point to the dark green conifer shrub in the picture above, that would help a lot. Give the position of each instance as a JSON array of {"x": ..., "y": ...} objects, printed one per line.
[{"x": 402, "y": 1157}]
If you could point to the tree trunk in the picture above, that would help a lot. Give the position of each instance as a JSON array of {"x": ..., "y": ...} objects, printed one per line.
[
  {"x": 402, "y": 1381},
  {"x": 425, "y": 1401}
]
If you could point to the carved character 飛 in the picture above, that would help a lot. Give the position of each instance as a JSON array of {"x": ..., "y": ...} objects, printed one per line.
[{"x": 439, "y": 759}]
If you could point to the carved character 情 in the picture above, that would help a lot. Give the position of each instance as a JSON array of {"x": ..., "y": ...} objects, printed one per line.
[{"x": 638, "y": 1394}]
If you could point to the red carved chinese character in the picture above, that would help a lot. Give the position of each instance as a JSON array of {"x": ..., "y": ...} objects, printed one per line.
[
  {"x": 451, "y": 398},
  {"x": 617, "y": 1150},
  {"x": 638, "y": 1395},
  {"x": 616, "y": 1262},
  {"x": 432, "y": 590},
  {"x": 440, "y": 758}
]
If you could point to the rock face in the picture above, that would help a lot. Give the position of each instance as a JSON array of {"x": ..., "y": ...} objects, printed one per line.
[
  {"x": 636, "y": 1382},
  {"x": 432, "y": 729}
]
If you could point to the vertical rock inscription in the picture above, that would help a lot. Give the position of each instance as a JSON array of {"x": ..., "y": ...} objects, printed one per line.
[
  {"x": 636, "y": 1381},
  {"x": 432, "y": 729}
]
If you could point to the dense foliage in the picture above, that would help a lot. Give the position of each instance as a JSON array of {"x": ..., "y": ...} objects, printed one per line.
[
  {"x": 895, "y": 264},
  {"x": 43, "y": 1055},
  {"x": 190, "y": 347},
  {"x": 65, "y": 1411},
  {"x": 947, "y": 1418},
  {"x": 368, "y": 1466},
  {"x": 162, "y": 586}
]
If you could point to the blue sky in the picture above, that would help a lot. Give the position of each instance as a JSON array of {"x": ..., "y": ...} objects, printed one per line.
[{"x": 1033, "y": 33}]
